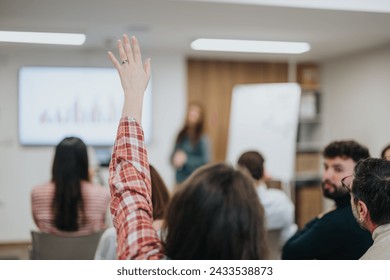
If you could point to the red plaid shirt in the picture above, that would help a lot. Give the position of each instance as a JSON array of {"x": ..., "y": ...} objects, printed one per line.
[{"x": 131, "y": 203}]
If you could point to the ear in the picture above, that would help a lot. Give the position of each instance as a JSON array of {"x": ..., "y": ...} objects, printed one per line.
[{"x": 363, "y": 210}]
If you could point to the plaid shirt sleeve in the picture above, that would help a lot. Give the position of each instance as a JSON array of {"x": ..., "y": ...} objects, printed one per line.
[{"x": 131, "y": 204}]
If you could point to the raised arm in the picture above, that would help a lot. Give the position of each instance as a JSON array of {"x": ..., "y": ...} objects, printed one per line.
[{"x": 130, "y": 185}]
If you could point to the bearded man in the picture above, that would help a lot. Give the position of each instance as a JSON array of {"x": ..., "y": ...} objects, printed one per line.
[{"x": 334, "y": 234}]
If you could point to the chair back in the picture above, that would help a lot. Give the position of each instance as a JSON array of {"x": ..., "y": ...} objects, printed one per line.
[{"x": 46, "y": 246}]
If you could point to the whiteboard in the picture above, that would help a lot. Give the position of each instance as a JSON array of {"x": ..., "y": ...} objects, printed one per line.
[{"x": 264, "y": 117}]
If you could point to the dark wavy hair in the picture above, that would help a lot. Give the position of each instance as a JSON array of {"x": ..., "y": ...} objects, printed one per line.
[
  {"x": 371, "y": 184},
  {"x": 70, "y": 167},
  {"x": 217, "y": 215},
  {"x": 197, "y": 130},
  {"x": 254, "y": 162},
  {"x": 160, "y": 194},
  {"x": 346, "y": 149}
]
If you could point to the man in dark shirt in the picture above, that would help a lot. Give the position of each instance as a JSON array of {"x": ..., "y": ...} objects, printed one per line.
[{"x": 334, "y": 234}]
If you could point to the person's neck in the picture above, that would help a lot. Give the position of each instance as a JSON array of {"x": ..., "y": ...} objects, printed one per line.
[
  {"x": 191, "y": 131},
  {"x": 342, "y": 200},
  {"x": 369, "y": 225},
  {"x": 372, "y": 228},
  {"x": 260, "y": 182}
]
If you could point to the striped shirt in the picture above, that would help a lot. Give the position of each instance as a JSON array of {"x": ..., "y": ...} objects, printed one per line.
[
  {"x": 95, "y": 198},
  {"x": 131, "y": 203}
]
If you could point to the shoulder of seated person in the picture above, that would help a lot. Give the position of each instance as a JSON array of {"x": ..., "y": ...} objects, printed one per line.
[{"x": 43, "y": 187}]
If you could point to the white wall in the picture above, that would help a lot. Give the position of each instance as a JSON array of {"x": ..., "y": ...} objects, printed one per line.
[
  {"x": 23, "y": 167},
  {"x": 356, "y": 99}
]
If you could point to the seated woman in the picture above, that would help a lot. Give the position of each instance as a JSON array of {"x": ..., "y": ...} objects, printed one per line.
[
  {"x": 70, "y": 204},
  {"x": 160, "y": 198},
  {"x": 215, "y": 215},
  {"x": 106, "y": 249}
]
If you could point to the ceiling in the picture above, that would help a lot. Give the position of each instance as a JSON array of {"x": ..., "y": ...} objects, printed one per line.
[{"x": 171, "y": 25}]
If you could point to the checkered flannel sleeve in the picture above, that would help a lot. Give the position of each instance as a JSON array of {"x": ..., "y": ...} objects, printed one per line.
[{"x": 130, "y": 186}]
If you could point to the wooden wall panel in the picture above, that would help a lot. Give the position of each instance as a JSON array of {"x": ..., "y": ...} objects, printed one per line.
[
  {"x": 308, "y": 204},
  {"x": 210, "y": 83}
]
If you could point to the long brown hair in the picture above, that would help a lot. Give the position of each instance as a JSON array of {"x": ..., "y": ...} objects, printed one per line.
[
  {"x": 216, "y": 215},
  {"x": 160, "y": 194},
  {"x": 70, "y": 167},
  {"x": 194, "y": 133}
]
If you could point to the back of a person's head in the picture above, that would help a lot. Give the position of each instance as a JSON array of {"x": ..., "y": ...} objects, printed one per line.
[
  {"x": 216, "y": 215},
  {"x": 70, "y": 160},
  {"x": 160, "y": 194},
  {"x": 70, "y": 166},
  {"x": 346, "y": 149},
  {"x": 371, "y": 185},
  {"x": 254, "y": 162}
]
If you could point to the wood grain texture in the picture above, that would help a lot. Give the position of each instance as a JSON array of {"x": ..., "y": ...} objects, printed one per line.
[{"x": 210, "y": 83}]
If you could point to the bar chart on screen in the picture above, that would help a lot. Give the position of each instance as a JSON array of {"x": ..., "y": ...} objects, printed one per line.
[{"x": 55, "y": 102}]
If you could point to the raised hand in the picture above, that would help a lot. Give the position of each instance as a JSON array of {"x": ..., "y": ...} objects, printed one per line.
[{"x": 134, "y": 76}]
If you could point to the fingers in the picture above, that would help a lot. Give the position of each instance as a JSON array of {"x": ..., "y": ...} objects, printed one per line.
[
  {"x": 127, "y": 48},
  {"x": 130, "y": 52},
  {"x": 136, "y": 50},
  {"x": 122, "y": 54},
  {"x": 114, "y": 60}
]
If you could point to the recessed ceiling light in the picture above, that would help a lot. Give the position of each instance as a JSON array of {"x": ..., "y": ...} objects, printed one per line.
[
  {"x": 42, "y": 38},
  {"x": 226, "y": 45}
]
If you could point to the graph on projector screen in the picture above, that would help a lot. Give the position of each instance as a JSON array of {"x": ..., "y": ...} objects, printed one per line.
[{"x": 55, "y": 102}]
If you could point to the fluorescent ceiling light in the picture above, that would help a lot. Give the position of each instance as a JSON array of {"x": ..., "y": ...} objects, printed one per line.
[
  {"x": 42, "y": 38},
  {"x": 251, "y": 46},
  {"x": 377, "y": 6}
]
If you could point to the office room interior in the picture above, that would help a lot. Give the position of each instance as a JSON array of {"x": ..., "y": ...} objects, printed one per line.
[{"x": 349, "y": 54}]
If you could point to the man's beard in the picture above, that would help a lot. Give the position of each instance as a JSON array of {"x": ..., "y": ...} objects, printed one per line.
[{"x": 337, "y": 193}]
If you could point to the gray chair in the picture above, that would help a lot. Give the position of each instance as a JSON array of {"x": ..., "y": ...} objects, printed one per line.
[{"x": 47, "y": 246}]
